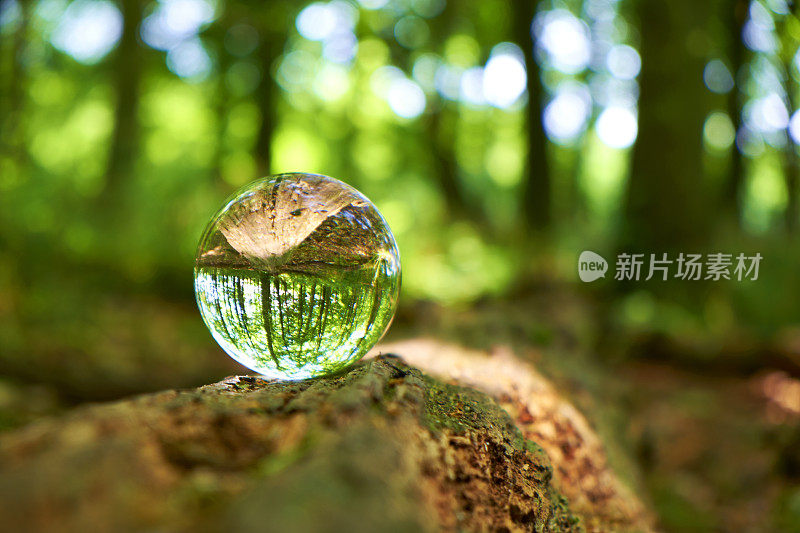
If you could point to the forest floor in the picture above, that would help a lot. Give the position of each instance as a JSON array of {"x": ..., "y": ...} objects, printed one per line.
[{"x": 707, "y": 450}]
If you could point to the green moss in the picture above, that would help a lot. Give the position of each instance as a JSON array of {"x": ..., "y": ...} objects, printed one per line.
[
  {"x": 561, "y": 517},
  {"x": 459, "y": 409},
  {"x": 543, "y": 469}
]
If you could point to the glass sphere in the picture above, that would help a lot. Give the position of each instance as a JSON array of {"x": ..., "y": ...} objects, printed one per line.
[{"x": 297, "y": 276}]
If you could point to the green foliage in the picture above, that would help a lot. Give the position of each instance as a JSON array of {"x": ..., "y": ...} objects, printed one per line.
[{"x": 198, "y": 136}]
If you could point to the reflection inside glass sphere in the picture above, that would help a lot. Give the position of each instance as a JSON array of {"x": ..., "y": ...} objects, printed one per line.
[{"x": 297, "y": 276}]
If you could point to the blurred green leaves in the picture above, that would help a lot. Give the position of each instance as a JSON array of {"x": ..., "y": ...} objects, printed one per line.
[{"x": 395, "y": 97}]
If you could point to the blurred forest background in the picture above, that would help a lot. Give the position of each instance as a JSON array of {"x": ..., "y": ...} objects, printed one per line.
[{"x": 499, "y": 139}]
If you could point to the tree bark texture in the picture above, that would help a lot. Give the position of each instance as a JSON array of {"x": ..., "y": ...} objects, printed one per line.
[{"x": 381, "y": 447}]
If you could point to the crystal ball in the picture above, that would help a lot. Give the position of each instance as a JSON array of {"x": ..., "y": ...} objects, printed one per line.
[{"x": 297, "y": 276}]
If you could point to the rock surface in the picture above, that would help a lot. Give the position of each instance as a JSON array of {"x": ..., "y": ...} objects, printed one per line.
[{"x": 381, "y": 447}]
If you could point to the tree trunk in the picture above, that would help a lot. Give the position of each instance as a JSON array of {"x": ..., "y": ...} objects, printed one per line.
[
  {"x": 733, "y": 194},
  {"x": 441, "y": 135},
  {"x": 127, "y": 71},
  {"x": 381, "y": 447},
  {"x": 12, "y": 134},
  {"x": 667, "y": 199},
  {"x": 440, "y": 132},
  {"x": 266, "y": 99},
  {"x": 791, "y": 169},
  {"x": 222, "y": 97},
  {"x": 536, "y": 195}
]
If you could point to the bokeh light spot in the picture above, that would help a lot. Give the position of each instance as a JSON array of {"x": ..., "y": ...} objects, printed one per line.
[
  {"x": 321, "y": 21},
  {"x": 623, "y": 62},
  {"x": 411, "y": 32},
  {"x": 794, "y": 127},
  {"x": 504, "y": 79},
  {"x": 617, "y": 127},
  {"x": 10, "y": 15},
  {"x": 88, "y": 30},
  {"x": 718, "y": 131},
  {"x": 504, "y": 162},
  {"x": 758, "y": 33},
  {"x": 406, "y": 98},
  {"x": 472, "y": 86},
  {"x": 242, "y": 78},
  {"x": 566, "y": 115},
  {"x": 175, "y": 21},
  {"x": 462, "y": 50},
  {"x": 565, "y": 38},
  {"x": 189, "y": 60},
  {"x": 241, "y": 40},
  {"x": 448, "y": 81},
  {"x": 428, "y": 8},
  {"x": 341, "y": 47},
  {"x": 766, "y": 114},
  {"x": 717, "y": 77},
  {"x": 296, "y": 70},
  {"x": 424, "y": 71},
  {"x": 331, "y": 83},
  {"x": 373, "y": 4},
  {"x": 317, "y": 21}
]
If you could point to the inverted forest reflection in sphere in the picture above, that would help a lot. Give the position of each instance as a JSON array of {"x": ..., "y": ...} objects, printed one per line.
[{"x": 297, "y": 276}]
